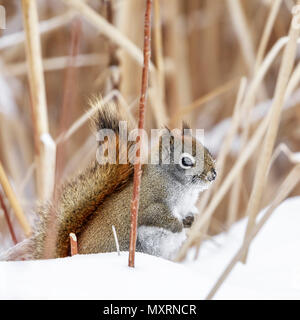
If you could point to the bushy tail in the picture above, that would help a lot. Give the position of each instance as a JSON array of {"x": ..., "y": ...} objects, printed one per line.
[
  {"x": 21, "y": 251},
  {"x": 83, "y": 194}
]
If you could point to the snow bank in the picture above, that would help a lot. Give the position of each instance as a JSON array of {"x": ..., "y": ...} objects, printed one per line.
[
  {"x": 272, "y": 270},
  {"x": 97, "y": 276},
  {"x": 273, "y": 265}
]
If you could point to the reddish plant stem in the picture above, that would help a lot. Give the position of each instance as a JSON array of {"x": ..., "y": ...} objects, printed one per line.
[
  {"x": 137, "y": 165},
  {"x": 73, "y": 244},
  {"x": 6, "y": 215}
]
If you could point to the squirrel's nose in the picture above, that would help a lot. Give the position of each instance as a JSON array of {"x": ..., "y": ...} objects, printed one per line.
[{"x": 211, "y": 175}]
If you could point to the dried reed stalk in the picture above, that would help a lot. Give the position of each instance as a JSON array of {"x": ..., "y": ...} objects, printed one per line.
[
  {"x": 44, "y": 145},
  {"x": 220, "y": 193},
  {"x": 293, "y": 83},
  {"x": 157, "y": 92},
  {"x": 204, "y": 99},
  {"x": 14, "y": 202},
  {"x": 248, "y": 106},
  {"x": 138, "y": 166},
  {"x": 130, "y": 86},
  {"x": 243, "y": 157},
  {"x": 44, "y": 27},
  {"x": 285, "y": 188},
  {"x": 178, "y": 78},
  {"x": 221, "y": 160},
  {"x": 56, "y": 63},
  {"x": 269, "y": 141},
  {"x": 68, "y": 95},
  {"x": 123, "y": 42},
  {"x": 283, "y": 148},
  {"x": 6, "y": 215},
  {"x": 107, "y": 29},
  {"x": 113, "y": 67},
  {"x": 267, "y": 32},
  {"x": 116, "y": 239},
  {"x": 242, "y": 30},
  {"x": 73, "y": 244},
  {"x": 159, "y": 49},
  {"x": 224, "y": 151}
]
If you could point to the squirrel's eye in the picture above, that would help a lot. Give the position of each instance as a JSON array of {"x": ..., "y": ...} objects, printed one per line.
[{"x": 187, "y": 161}]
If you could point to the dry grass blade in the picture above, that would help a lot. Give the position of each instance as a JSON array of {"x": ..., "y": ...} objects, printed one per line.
[
  {"x": 44, "y": 26},
  {"x": 157, "y": 92},
  {"x": 249, "y": 103},
  {"x": 261, "y": 69},
  {"x": 6, "y": 215},
  {"x": 44, "y": 145},
  {"x": 294, "y": 81},
  {"x": 206, "y": 98},
  {"x": 203, "y": 221},
  {"x": 265, "y": 156},
  {"x": 242, "y": 30},
  {"x": 222, "y": 157},
  {"x": 244, "y": 156},
  {"x": 116, "y": 239},
  {"x": 107, "y": 29},
  {"x": 68, "y": 96},
  {"x": 283, "y": 148},
  {"x": 14, "y": 202},
  {"x": 259, "y": 75},
  {"x": 159, "y": 48},
  {"x": 267, "y": 32},
  {"x": 232, "y": 131},
  {"x": 220, "y": 193},
  {"x": 286, "y": 187},
  {"x": 56, "y": 63}
]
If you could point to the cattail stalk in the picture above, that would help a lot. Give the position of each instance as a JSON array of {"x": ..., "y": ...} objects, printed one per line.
[{"x": 138, "y": 166}]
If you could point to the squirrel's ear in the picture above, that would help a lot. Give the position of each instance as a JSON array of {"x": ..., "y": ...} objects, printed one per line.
[{"x": 186, "y": 129}]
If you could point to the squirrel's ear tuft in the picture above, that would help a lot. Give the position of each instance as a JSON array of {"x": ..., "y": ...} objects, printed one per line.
[
  {"x": 106, "y": 115},
  {"x": 108, "y": 118}
]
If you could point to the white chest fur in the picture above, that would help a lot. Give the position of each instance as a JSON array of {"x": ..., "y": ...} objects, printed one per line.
[
  {"x": 160, "y": 242},
  {"x": 185, "y": 204}
]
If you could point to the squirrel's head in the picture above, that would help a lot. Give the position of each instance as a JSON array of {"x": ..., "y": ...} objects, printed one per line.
[{"x": 186, "y": 159}]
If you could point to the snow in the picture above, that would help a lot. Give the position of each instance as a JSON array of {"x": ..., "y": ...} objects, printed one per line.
[
  {"x": 272, "y": 270},
  {"x": 273, "y": 266}
]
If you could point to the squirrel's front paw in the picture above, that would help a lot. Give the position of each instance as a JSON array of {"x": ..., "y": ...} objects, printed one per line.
[{"x": 188, "y": 221}]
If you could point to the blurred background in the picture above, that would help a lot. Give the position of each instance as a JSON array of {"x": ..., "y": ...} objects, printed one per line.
[{"x": 204, "y": 52}]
